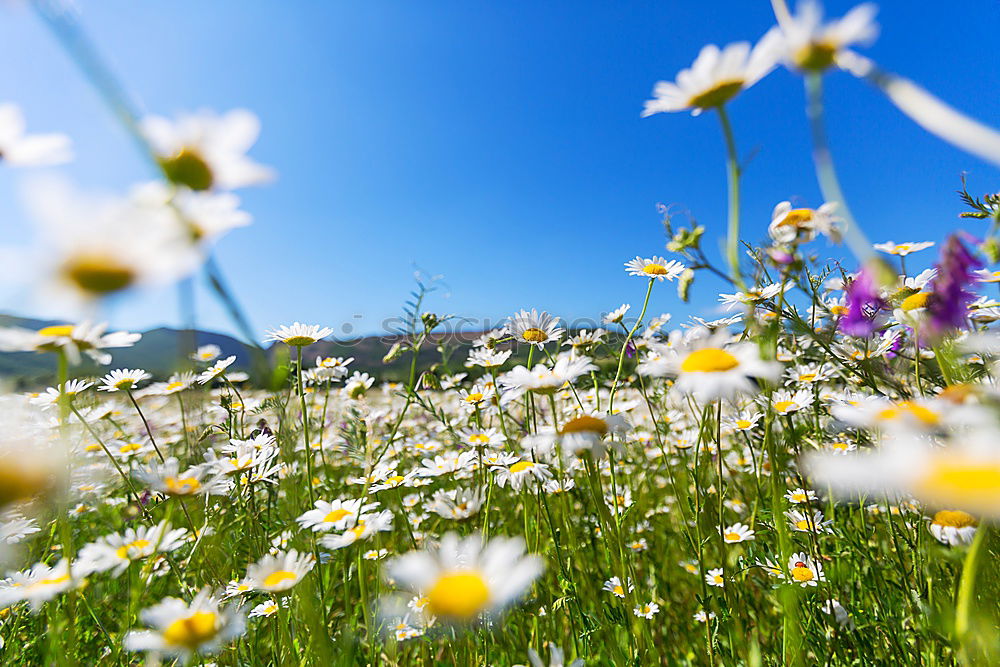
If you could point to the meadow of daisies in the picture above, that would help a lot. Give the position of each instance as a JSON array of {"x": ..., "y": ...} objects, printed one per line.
[{"x": 811, "y": 479}]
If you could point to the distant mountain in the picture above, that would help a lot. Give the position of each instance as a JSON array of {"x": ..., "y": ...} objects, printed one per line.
[{"x": 163, "y": 350}]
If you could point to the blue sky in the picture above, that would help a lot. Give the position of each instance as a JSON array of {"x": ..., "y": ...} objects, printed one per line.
[{"x": 499, "y": 144}]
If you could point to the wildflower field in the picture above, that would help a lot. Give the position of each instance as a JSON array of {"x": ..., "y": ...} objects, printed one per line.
[{"x": 812, "y": 478}]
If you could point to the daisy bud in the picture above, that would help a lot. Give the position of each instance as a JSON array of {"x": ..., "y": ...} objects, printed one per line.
[
  {"x": 429, "y": 381},
  {"x": 684, "y": 283},
  {"x": 394, "y": 353}
]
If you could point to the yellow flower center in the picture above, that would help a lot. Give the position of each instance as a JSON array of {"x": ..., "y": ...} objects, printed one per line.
[
  {"x": 58, "y": 330},
  {"x": 733, "y": 537},
  {"x": 335, "y": 516},
  {"x": 19, "y": 482},
  {"x": 535, "y": 335},
  {"x": 914, "y": 301},
  {"x": 619, "y": 591},
  {"x": 193, "y": 631},
  {"x": 188, "y": 168},
  {"x": 460, "y": 595},
  {"x": 98, "y": 273},
  {"x": 479, "y": 439},
  {"x": 521, "y": 466},
  {"x": 52, "y": 581},
  {"x": 718, "y": 94},
  {"x": 954, "y": 519},
  {"x": 802, "y": 573},
  {"x": 796, "y": 217},
  {"x": 124, "y": 552},
  {"x": 181, "y": 486},
  {"x": 654, "y": 270},
  {"x": 743, "y": 423},
  {"x": 807, "y": 377},
  {"x": 395, "y": 480},
  {"x": 815, "y": 56},
  {"x": 838, "y": 310},
  {"x": 299, "y": 341},
  {"x": 709, "y": 360},
  {"x": 585, "y": 424},
  {"x": 130, "y": 447},
  {"x": 278, "y": 578},
  {"x": 474, "y": 398},
  {"x": 926, "y": 416},
  {"x": 786, "y": 406},
  {"x": 804, "y": 524},
  {"x": 966, "y": 483},
  {"x": 174, "y": 386}
]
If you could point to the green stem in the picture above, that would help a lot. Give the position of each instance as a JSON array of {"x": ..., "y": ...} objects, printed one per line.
[
  {"x": 628, "y": 338},
  {"x": 733, "y": 172},
  {"x": 965, "y": 601}
]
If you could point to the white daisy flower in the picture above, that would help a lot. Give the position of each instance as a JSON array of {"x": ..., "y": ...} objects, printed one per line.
[
  {"x": 789, "y": 224},
  {"x": 275, "y": 573},
  {"x": 616, "y": 315},
  {"x": 118, "y": 550},
  {"x": 123, "y": 378},
  {"x": 903, "y": 249},
  {"x": 335, "y": 515},
  {"x": 804, "y": 571},
  {"x": 205, "y": 150},
  {"x": 654, "y": 268},
  {"x": 19, "y": 149},
  {"x": 953, "y": 527},
  {"x": 736, "y": 533},
  {"x": 39, "y": 584},
  {"x": 464, "y": 579},
  {"x": 534, "y": 328},
  {"x": 182, "y": 629},
  {"x": 711, "y": 367},
  {"x": 647, "y": 611},
  {"x": 716, "y": 76},
  {"x": 216, "y": 369},
  {"x": 809, "y": 44},
  {"x": 298, "y": 334}
]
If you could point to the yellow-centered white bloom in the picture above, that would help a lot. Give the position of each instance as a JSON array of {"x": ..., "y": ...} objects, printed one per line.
[
  {"x": 205, "y": 150},
  {"x": 711, "y": 367},
  {"x": 962, "y": 475},
  {"x": 182, "y": 629},
  {"x": 789, "y": 224},
  {"x": 534, "y": 328},
  {"x": 275, "y": 573},
  {"x": 298, "y": 334},
  {"x": 655, "y": 268},
  {"x": 953, "y": 527},
  {"x": 902, "y": 249},
  {"x": 809, "y": 44},
  {"x": 464, "y": 579},
  {"x": 716, "y": 76}
]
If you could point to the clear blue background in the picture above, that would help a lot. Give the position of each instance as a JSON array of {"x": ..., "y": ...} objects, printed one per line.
[{"x": 499, "y": 144}]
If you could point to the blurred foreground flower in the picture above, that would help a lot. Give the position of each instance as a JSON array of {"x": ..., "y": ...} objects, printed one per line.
[
  {"x": 182, "y": 629},
  {"x": 205, "y": 150},
  {"x": 464, "y": 579},
  {"x": 29, "y": 150},
  {"x": 963, "y": 475},
  {"x": 716, "y": 76}
]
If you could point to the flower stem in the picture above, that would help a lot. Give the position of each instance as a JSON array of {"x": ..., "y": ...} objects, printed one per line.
[
  {"x": 733, "y": 172},
  {"x": 628, "y": 338}
]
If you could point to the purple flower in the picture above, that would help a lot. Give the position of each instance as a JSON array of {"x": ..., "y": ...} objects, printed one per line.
[
  {"x": 948, "y": 303},
  {"x": 863, "y": 306},
  {"x": 630, "y": 349}
]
